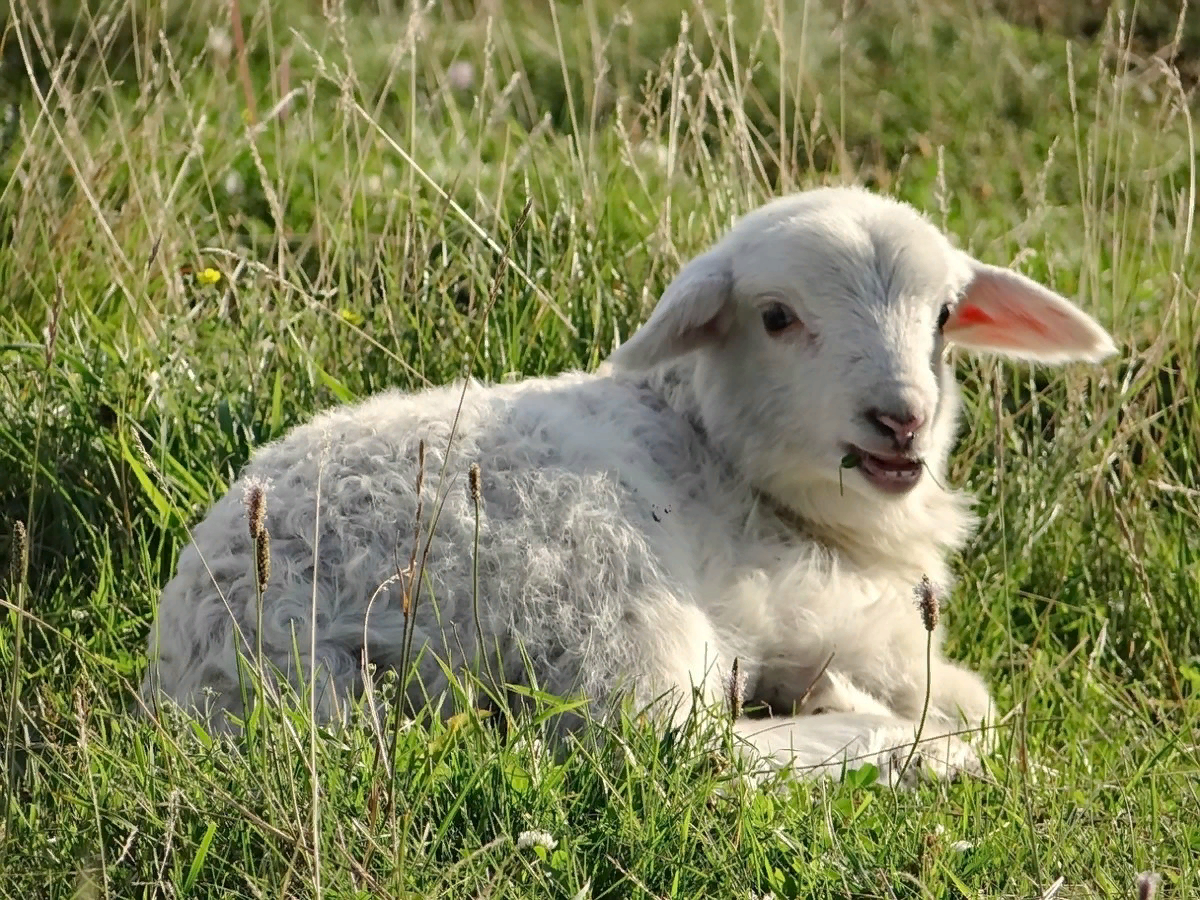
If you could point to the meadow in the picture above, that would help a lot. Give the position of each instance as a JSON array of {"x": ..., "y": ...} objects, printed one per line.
[{"x": 217, "y": 218}]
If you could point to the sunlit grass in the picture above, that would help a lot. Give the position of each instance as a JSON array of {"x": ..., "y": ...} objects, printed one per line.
[{"x": 196, "y": 255}]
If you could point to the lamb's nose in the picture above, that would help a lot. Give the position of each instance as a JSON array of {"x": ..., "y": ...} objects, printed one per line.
[{"x": 901, "y": 425}]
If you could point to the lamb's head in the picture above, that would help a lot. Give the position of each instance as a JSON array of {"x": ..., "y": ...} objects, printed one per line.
[{"x": 814, "y": 333}]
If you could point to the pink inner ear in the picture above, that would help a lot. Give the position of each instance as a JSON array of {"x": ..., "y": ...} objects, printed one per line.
[
  {"x": 1011, "y": 316},
  {"x": 1002, "y": 310},
  {"x": 970, "y": 314},
  {"x": 1006, "y": 324},
  {"x": 1000, "y": 325}
]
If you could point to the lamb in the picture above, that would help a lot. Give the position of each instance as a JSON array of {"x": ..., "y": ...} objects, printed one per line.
[{"x": 756, "y": 475}]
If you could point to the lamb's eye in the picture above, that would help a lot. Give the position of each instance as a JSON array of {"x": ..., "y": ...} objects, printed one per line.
[
  {"x": 943, "y": 317},
  {"x": 777, "y": 317}
]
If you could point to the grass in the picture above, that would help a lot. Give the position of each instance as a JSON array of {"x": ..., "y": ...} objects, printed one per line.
[{"x": 352, "y": 186}]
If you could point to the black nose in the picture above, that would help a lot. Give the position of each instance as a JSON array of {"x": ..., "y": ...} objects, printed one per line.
[{"x": 901, "y": 425}]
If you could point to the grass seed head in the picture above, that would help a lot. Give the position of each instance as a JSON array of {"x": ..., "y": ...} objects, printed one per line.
[
  {"x": 142, "y": 452},
  {"x": 255, "y": 498},
  {"x": 1147, "y": 885},
  {"x": 473, "y": 477},
  {"x": 927, "y": 602},
  {"x": 21, "y": 548},
  {"x": 262, "y": 559},
  {"x": 50, "y": 333},
  {"x": 735, "y": 688}
]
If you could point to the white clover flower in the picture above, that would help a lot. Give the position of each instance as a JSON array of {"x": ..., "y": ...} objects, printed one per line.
[
  {"x": 219, "y": 44},
  {"x": 461, "y": 75},
  {"x": 527, "y": 839}
]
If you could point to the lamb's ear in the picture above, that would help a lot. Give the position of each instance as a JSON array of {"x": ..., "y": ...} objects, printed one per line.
[
  {"x": 1003, "y": 311},
  {"x": 696, "y": 309}
]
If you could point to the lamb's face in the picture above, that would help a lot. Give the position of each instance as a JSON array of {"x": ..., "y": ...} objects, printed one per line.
[
  {"x": 818, "y": 327},
  {"x": 831, "y": 367}
]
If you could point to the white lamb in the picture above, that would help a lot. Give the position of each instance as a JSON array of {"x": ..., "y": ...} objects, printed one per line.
[{"x": 756, "y": 474}]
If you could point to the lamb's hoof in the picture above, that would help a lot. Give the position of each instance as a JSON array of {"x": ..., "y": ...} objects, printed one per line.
[{"x": 939, "y": 759}]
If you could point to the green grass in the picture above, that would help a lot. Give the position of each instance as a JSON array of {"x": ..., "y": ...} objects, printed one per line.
[{"x": 357, "y": 234}]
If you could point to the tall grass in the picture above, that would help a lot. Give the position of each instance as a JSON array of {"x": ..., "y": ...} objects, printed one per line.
[{"x": 351, "y": 174}]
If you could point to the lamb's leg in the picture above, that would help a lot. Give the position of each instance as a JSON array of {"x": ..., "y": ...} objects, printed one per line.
[
  {"x": 663, "y": 653},
  {"x": 825, "y": 744},
  {"x": 958, "y": 700}
]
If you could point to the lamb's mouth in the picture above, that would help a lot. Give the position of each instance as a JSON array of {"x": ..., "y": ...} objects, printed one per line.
[{"x": 891, "y": 473}]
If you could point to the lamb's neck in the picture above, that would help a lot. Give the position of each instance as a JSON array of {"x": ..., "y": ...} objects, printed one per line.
[
  {"x": 916, "y": 542},
  {"x": 674, "y": 382}
]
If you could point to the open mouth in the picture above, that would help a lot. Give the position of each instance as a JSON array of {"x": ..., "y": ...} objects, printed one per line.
[{"x": 891, "y": 473}]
